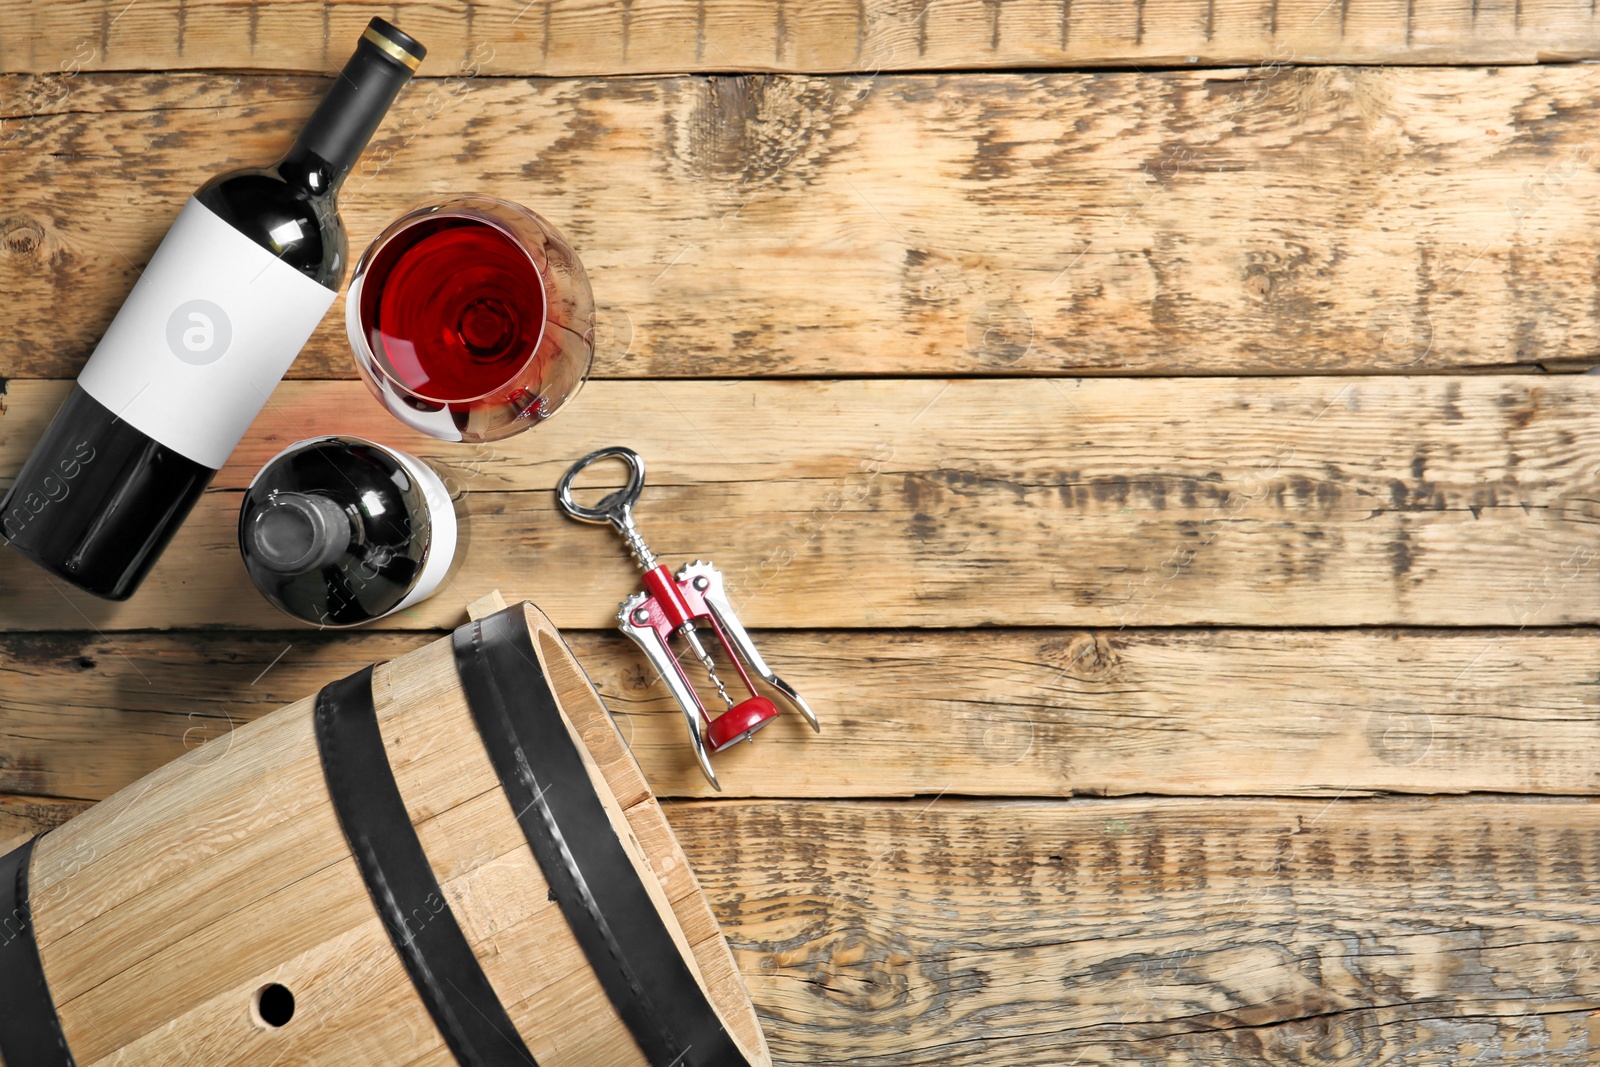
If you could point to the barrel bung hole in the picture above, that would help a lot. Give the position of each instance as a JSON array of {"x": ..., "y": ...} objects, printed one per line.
[{"x": 274, "y": 1005}]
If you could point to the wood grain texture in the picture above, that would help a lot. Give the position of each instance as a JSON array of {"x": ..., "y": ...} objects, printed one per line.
[
  {"x": 992, "y": 713},
  {"x": 1423, "y": 932},
  {"x": 638, "y": 36},
  {"x": 1160, "y": 933},
  {"x": 1093, "y": 502},
  {"x": 914, "y": 886},
  {"x": 1272, "y": 220},
  {"x": 23, "y": 816}
]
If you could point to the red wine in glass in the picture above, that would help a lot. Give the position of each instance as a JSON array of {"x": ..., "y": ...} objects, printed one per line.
[{"x": 471, "y": 319}]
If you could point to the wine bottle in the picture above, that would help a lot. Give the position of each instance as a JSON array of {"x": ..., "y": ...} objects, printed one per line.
[
  {"x": 338, "y": 531},
  {"x": 235, "y": 289}
]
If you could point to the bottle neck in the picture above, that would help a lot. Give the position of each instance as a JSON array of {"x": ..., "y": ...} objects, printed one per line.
[
  {"x": 347, "y": 117},
  {"x": 294, "y": 533}
]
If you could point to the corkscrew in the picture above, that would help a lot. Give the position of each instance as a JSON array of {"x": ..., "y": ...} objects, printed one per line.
[{"x": 679, "y": 605}]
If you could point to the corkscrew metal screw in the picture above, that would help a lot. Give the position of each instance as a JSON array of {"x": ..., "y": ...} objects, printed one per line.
[{"x": 678, "y": 605}]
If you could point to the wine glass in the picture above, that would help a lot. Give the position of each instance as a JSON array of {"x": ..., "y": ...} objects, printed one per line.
[{"x": 471, "y": 319}]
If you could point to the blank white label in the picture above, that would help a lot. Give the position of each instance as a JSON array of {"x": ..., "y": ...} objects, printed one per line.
[{"x": 204, "y": 337}]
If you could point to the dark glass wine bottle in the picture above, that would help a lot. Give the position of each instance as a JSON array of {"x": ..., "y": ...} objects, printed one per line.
[
  {"x": 338, "y": 531},
  {"x": 230, "y": 297}
]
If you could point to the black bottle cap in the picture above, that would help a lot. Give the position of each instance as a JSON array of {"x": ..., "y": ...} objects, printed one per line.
[
  {"x": 395, "y": 43},
  {"x": 299, "y": 532}
]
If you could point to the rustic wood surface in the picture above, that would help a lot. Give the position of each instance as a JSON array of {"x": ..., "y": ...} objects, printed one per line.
[
  {"x": 1163, "y": 931},
  {"x": 1042, "y": 712},
  {"x": 1278, "y": 502},
  {"x": 1256, "y": 221},
  {"x": 563, "y": 37},
  {"x": 1177, "y": 513}
]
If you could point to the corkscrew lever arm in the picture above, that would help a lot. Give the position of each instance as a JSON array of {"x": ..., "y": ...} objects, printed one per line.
[
  {"x": 666, "y": 665},
  {"x": 708, "y": 580}
]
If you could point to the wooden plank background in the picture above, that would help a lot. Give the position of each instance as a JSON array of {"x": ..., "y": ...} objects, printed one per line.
[
  {"x": 1263, "y": 220},
  {"x": 1143, "y": 430},
  {"x": 564, "y": 38}
]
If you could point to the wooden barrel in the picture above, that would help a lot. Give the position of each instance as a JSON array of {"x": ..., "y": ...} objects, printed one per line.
[{"x": 450, "y": 858}]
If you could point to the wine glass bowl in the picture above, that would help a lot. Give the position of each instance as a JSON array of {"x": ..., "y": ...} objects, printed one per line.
[{"x": 471, "y": 319}]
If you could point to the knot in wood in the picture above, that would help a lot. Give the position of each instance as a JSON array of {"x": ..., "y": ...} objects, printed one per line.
[
  {"x": 21, "y": 236},
  {"x": 1088, "y": 657}
]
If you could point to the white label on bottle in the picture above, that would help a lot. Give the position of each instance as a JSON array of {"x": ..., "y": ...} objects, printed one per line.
[
  {"x": 442, "y": 522},
  {"x": 204, "y": 337},
  {"x": 445, "y": 527}
]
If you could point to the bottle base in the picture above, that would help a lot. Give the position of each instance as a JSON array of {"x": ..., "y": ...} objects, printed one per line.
[{"x": 97, "y": 500}]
